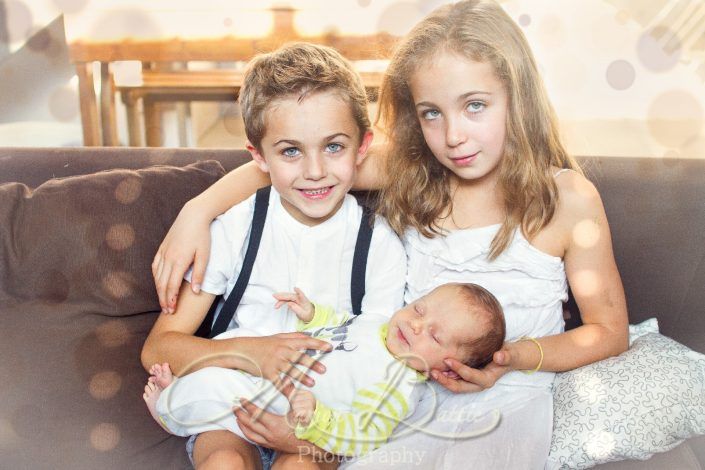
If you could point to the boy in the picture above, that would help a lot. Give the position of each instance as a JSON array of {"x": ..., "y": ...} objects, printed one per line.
[
  {"x": 306, "y": 122},
  {"x": 374, "y": 370}
]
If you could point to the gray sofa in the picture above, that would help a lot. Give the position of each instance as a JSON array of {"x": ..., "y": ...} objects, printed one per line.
[{"x": 76, "y": 299}]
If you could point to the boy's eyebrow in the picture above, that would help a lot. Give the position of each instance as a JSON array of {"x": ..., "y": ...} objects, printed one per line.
[
  {"x": 297, "y": 143},
  {"x": 333, "y": 136},
  {"x": 287, "y": 141}
]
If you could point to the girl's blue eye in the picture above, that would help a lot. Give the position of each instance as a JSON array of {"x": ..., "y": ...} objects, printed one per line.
[
  {"x": 430, "y": 114},
  {"x": 475, "y": 106},
  {"x": 334, "y": 147},
  {"x": 290, "y": 152}
]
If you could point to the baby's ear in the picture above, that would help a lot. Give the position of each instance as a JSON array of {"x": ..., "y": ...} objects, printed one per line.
[
  {"x": 257, "y": 157},
  {"x": 451, "y": 374}
]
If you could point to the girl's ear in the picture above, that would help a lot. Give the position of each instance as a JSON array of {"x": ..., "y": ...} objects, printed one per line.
[
  {"x": 257, "y": 157},
  {"x": 364, "y": 146}
]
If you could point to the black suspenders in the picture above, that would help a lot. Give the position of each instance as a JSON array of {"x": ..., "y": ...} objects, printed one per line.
[{"x": 357, "y": 277}]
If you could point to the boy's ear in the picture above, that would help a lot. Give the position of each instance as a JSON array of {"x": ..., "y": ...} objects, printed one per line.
[
  {"x": 257, "y": 157},
  {"x": 364, "y": 146}
]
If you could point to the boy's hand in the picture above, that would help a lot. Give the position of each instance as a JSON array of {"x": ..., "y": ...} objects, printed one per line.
[
  {"x": 303, "y": 404},
  {"x": 297, "y": 303},
  {"x": 273, "y": 356}
]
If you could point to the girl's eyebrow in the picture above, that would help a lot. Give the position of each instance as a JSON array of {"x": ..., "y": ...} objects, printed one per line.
[
  {"x": 462, "y": 97},
  {"x": 473, "y": 93}
]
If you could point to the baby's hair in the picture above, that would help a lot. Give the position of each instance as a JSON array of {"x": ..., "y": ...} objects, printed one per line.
[
  {"x": 298, "y": 69},
  {"x": 482, "y": 303},
  {"x": 418, "y": 193}
]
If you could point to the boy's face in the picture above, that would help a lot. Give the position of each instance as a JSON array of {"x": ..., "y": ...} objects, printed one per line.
[
  {"x": 431, "y": 329},
  {"x": 311, "y": 150}
]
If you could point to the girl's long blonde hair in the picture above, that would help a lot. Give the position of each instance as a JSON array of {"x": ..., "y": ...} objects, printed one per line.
[{"x": 417, "y": 191}]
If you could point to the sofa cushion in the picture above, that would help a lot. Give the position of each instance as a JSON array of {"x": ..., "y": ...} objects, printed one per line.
[
  {"x": 86, "y": 242},
  {"x": 647, "y": 400}
]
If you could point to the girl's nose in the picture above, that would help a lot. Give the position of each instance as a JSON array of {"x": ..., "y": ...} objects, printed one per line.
[
  {"x": 315, "y": 167},
  {"x": 454, "y": 133}
]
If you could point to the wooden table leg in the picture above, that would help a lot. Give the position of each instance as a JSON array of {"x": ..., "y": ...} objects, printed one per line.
[
  {"x": 152, "y": 122},
  {"x": 107, "y": 106},
  {"x": 89, "y": 105},
  {"x": 134, "y": 127}
]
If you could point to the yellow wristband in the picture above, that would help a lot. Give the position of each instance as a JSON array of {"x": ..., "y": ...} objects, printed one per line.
[{"x": 538, "y": 366}]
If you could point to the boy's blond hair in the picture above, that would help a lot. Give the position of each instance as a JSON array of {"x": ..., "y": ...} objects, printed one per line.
[{"x": 298, "y": 69}]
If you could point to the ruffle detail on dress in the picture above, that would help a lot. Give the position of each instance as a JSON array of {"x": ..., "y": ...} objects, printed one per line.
[{"x": 530, "y": 278}]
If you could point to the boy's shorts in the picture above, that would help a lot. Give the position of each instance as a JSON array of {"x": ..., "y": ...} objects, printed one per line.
[{"x": 266, "y": 455}]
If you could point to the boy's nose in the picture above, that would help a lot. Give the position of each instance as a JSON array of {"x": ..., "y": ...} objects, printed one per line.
[{"x": 315, "y": 167}]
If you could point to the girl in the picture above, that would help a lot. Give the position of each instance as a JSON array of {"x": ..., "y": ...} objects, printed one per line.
[{"x": 483, "y": 191}]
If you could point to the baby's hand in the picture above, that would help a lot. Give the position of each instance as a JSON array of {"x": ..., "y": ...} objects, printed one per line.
[
  {"x": 303, "y": 404},
  {"x": 297, "y": 303}
]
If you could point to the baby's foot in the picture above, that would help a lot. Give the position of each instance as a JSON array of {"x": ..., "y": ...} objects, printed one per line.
[
  {"x": 151, "y": 395},
  {"x": 161, "y": 375}
]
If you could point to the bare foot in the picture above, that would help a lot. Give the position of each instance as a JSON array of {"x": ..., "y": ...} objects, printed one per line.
[
  {"x": 161, "y": 375},
  {"x": 151, "y": 395}
]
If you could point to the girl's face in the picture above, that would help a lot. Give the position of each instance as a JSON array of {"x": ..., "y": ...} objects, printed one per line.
[{"x": 462, "y": 108}]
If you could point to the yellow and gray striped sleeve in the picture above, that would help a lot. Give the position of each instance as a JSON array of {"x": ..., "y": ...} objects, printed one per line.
[
  {"x": 323, "y": 316},
  {"x": 376, "y": 411}
]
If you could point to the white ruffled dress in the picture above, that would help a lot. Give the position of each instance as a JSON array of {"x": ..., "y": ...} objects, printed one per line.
[{"x": 531, "y": 286}]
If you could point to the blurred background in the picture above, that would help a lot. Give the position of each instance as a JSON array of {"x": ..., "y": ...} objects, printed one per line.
[{"x": 627, "y": 77}]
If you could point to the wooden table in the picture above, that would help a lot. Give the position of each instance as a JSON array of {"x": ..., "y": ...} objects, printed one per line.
[
  {"x": 98, "y": 112},
  {"x": 187, "y": 85}
]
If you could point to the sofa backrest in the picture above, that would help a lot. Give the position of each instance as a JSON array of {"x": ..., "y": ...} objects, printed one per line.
[
  {"x": 655, "y": 207},
  {"x": 656, "y": 211}
]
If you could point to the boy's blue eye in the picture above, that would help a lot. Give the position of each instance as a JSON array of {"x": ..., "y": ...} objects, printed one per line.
[
  {"x": 290, "y": 152},
  {"x": 475, "y": 106},
  {"x": 430, "y": 114},
  {"x": 334, "y": 147}
]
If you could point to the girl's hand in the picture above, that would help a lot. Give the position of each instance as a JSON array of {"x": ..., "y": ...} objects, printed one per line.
[
  {"x": 465, "y": 379},
  {"x": 297, "y": 303},
  {"x": 188, "y": 241},
  {"x": 274, "y": 355}
]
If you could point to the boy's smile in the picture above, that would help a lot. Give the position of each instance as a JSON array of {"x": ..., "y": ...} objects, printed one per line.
[{"x": 311, "y": 149}]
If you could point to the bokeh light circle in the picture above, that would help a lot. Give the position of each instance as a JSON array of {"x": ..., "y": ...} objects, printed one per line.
[
  {"x": 620, "y": 75},
  {"x": 674, "y": 118},
  {"x": 105, "y": 385},
  {"x": 63, "y": 104},
  {"x": 659, "y": 49},
  {"x": 105, "y": 437}
]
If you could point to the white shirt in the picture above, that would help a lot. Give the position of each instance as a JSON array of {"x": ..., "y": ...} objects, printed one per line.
[{"x": 317, "y": 259}]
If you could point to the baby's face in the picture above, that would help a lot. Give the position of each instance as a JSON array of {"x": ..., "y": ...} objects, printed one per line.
[{"x": 431, "y": 329}]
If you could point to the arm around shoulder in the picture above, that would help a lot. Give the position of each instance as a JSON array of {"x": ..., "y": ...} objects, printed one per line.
[{"x": 186, "y": 242}]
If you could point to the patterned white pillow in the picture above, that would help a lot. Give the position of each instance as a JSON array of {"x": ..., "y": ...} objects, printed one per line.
[{"x": 646, "y": 400}]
